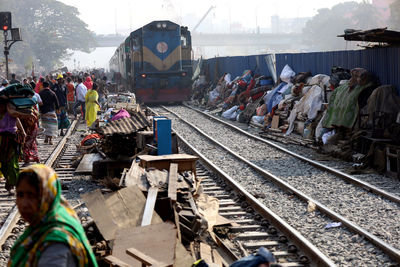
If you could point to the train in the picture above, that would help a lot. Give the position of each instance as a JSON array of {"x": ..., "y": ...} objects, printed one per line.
[{"x": 155, "y": 63}]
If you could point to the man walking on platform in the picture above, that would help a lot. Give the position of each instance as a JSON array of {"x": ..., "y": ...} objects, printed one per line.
[{"x": 80, "y": 93}]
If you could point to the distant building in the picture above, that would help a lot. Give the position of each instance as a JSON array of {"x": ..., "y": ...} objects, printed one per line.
[{"x": 288, "y": 25}]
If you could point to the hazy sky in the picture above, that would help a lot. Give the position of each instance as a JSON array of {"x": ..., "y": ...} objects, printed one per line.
[{"x": 103, "y": 15}]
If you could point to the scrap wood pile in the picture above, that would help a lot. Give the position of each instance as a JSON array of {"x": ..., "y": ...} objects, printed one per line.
[
  {"x": 159, "y": 215},
  {"x": 324, "y": 110},
  {"x": 116, "y": 134},
  {"x": 119, "y": 135}
]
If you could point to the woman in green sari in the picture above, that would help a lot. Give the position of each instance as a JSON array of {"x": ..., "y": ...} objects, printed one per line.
[{"x": 55, "y": 235}]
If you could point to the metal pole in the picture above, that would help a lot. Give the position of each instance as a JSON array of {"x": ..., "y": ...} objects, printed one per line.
[{"x": 6, "y": 52}]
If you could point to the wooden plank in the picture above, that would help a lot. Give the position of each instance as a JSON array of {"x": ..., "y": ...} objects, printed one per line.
[
  {"x": 185, "y": 162},
  {"x": 222, "y": 221},
  {"x": 150, "y": 158},
  {"x": 192, "y": 250},
  {"x": 275, "y": 122},
  {"x": 157, "y": 241},
  {"x": 137, "y": 176},
  {"x": 121, "y": 181},
  {"x": 86, "y": 164},
  {"x": 127, "y": 207},
  {"x": 182, "y": 256},
  {"x": 217, "y": 258},
  {"x": 205, "y": 253},
  {"x": 143, "y": 258},
  {"x": 193, "y": 205},
  {"x": 113, "y": 261},
  {"x": 176, "y": 217},
  {"x": 225, "y": 258},
  {"x": 150, "y": 204},
  {"x": 100, "y": 213},
  {"x": 172, "y": 181}
]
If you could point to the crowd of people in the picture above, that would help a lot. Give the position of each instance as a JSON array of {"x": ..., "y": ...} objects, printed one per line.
[
  {"x": 54, "y": 236},
  {"x": 56, "y": 97}
]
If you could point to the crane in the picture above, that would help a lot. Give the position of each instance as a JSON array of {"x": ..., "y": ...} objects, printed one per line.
[{"x": 201, "y": 20}]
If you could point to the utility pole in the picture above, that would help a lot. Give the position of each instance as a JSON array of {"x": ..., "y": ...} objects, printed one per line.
[{"x": 5, "y": 24}]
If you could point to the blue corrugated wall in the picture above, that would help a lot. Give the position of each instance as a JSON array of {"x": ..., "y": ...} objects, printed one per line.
[
  {"x": 236, "y": 65},
  {"x": 383, "y": 62}
]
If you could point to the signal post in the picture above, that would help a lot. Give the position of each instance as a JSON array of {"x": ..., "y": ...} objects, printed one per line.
[{"x": 6, "y": 25}]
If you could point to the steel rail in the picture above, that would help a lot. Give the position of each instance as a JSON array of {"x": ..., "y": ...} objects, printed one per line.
[
  {"x": 14, "y": 215},
  {"x": 384, "y": 246},
  {"x": 367, "y": 186},
  {"x": 295, "y": 236}
]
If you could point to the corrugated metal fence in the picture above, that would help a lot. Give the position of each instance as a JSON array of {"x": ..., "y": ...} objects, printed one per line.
[
  {"x": 236, "y": 65},
  {"x": 383, "y": 62}
]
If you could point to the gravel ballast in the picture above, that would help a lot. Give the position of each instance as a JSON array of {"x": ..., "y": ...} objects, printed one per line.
[{"x": 339, "y": 244}]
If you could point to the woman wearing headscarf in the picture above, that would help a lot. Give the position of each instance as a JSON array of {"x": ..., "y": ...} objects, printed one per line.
[
  {"x": 92, "y": 105},
  {"x": 55, "y": 236},
  {"x": 10, "y": 148},
  {"x": 88, "y": 83},
  {"x": 29, "y": 149}
]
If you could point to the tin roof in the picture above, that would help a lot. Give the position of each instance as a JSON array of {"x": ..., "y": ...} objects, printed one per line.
[
  {"x": 135, "y": 123},
  {"x": 381, "y": 35}
]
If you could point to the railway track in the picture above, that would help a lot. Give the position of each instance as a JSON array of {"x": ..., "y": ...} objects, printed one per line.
[
  {"x": 51, "y": 155},
  {"x": 254, "y": 225},
  {"x": 390, "y": 193},
  {"x": 350, "y": 243}
]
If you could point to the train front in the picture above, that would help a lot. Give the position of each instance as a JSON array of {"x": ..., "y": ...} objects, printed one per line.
[{"x": 166, "y": 71}]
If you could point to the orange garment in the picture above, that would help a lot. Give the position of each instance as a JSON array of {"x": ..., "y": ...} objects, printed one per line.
[
  {"x": 88, "y": 83},
  {"x": 71, "y": 91},
  {"x": 38, "y": 87}
]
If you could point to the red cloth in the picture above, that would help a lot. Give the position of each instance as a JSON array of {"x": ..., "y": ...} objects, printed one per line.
[
  {"x": 88, "y": 83},
  {"x": 257, "y": 96},
  {"x": 38, "y": 87},
  {"x": 71, "y": 91},
  {"x": 90, "y": 136}
]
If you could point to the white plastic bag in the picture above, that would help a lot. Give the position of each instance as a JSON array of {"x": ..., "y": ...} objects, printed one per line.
[
  {"x": 287, "y": 73},
  {"x": 228, "y": 113},
  {"x": 327, "y": 136},
  {"x": 227, "y": 78},
  {"x": 258, "y": 119}
]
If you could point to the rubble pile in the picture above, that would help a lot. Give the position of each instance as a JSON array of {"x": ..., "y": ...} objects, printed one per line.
[
  {"x": 161, "y": 207},
  {"x": 342, "y": 114},
  {"x": 150, "y": 203}
]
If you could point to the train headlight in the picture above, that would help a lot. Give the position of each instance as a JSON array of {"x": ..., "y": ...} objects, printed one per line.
[
  {"x": 144, "y": 75},
  {"x": 164, "y": 25},
  {"x": 159, "y": 25},
  {"x": 183, "y": 74}
]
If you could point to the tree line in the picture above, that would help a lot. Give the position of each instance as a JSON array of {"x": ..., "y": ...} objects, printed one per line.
[
  {"x": 50, "y": 29},
  {"x": 320, "y": 32}
]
